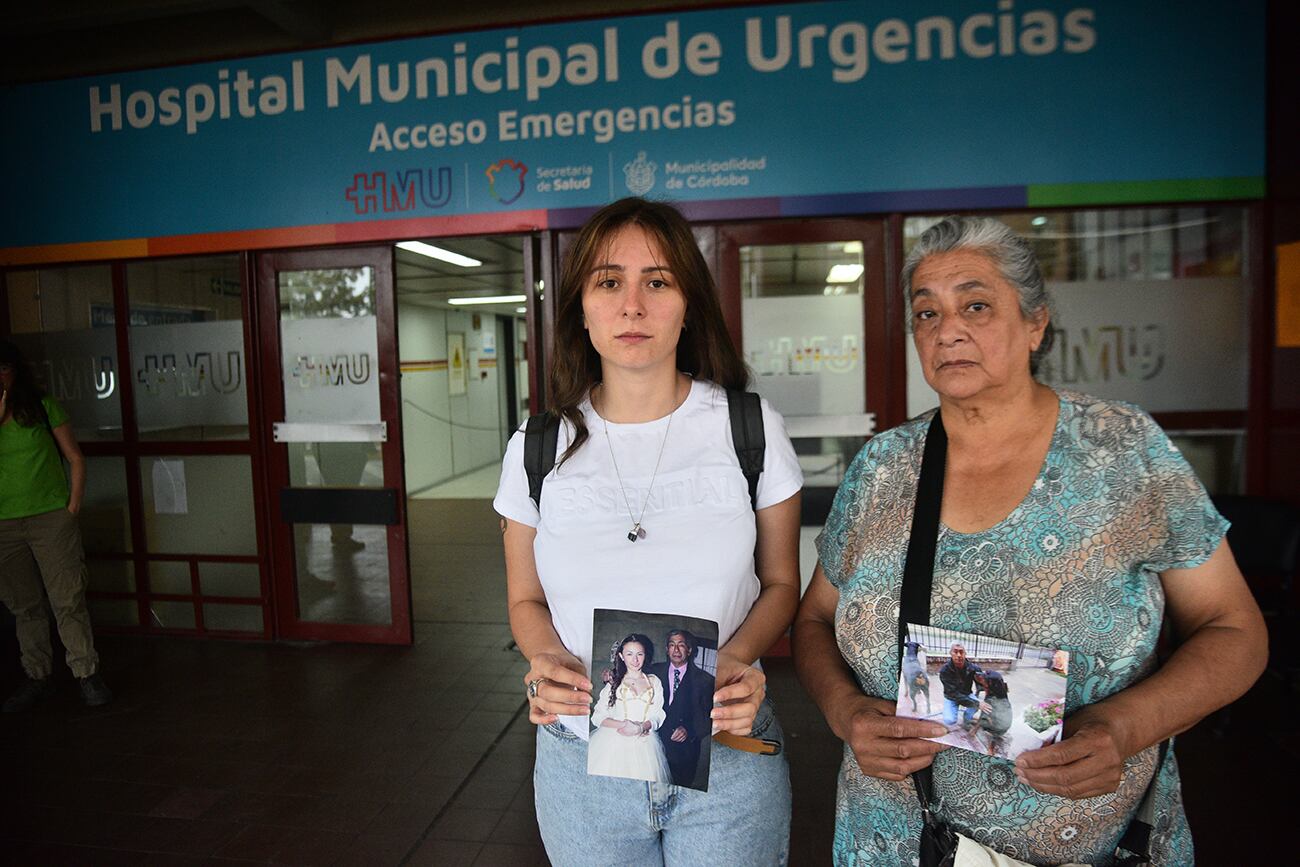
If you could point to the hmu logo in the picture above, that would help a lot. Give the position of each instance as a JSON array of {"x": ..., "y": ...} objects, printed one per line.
[{"x": 372, "y": 192}]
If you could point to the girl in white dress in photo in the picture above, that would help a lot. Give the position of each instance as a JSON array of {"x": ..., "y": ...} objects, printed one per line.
[{"x": 627, "y": 715}]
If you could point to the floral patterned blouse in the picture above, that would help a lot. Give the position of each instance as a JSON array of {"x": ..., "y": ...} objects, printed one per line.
[{"x": 1076, "y": 565}]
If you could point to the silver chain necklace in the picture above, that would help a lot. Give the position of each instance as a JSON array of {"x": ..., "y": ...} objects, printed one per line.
[{"x": 637, "y": 531}]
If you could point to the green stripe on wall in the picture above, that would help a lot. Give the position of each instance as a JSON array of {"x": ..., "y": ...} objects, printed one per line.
[{"x": 1127, "y": 192}]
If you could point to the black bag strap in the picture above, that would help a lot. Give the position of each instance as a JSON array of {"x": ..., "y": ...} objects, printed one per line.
[
  {"x": 1137, "y": 836},
  {"x": 747, "y": 437},
  {"x": 914, "y": 607},
  {"x": 541, "y": 438},
  {"x": 918, "y": 568}
]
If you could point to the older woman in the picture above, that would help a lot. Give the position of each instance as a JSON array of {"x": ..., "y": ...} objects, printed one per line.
[{"x": 1065, "y": 521}]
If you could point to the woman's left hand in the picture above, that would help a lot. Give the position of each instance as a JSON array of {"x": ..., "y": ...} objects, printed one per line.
[
  {"x": 742, "y": 693},
  {"x": 1088, "y": 762}
]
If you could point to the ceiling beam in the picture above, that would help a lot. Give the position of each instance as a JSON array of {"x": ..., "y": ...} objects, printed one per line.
[{"x": 306, "y": 20}]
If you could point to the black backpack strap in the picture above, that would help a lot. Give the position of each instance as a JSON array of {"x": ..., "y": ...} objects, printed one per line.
[
  {"x": 541, "y": 438},
  {"x": 747, "y": 437}
]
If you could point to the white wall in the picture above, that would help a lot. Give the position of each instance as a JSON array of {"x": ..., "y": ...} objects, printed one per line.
[{"x": 445, "y": 435}]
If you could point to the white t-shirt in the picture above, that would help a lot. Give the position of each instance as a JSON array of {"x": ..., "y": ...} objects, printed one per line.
[{"x": 697, "y": 558}]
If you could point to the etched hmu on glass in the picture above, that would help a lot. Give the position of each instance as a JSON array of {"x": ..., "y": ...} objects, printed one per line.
[
  {"x": 805, "y": 355},
  {"x": 77, "y": 376},
  {"x": 315, "y": 371},
  {"x": 200, "y": 372},
  {"x": 1089, "y": 355}
]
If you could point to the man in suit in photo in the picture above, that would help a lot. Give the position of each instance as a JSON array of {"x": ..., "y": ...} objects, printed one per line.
[{"x": 688, "y": 700}]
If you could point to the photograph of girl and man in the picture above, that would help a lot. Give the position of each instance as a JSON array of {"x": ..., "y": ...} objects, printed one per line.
[
  {"x": 651, "y": 720},
  {"x": 996, "y": 697}
]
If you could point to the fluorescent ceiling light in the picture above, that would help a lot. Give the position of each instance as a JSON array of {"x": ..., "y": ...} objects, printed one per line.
[
  {"x": 852, "y": 246},
  {"x": 521, "y": 309},
  {"x": 1039, "y": 221},
  {"x": 438, "y": 253},
  {"x": 844, "y": 273},
  {"x": 489, "y": 299}
]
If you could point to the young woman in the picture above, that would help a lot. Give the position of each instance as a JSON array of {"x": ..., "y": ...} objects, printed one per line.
[
  {"x": 40, "y": 543},
  {"x": 647, "y": 510},
  {"x": 628, "y": 713}
]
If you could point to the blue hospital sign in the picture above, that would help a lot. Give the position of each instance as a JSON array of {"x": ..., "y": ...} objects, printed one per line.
[{"x": 807, "y": 108}]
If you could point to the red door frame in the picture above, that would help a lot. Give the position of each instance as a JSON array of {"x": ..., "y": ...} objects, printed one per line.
[
  {"x": 133, "y": 451},
  {"x": 882, "y": 326},
  {"x": 288, "y": 625},
  {"x": 539, "y": 277}
]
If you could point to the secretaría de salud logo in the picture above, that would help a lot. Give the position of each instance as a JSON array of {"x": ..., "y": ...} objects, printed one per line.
[{"x": 506, "y": 180}]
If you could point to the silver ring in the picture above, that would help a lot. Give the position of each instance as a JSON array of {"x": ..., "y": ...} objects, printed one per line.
[{"x": 532, "y": 686}]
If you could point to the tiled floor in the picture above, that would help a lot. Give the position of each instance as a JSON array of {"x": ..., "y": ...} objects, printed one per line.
[
  {"x": 457, "y": 566},
  {"x": 293, "y": 754},
  {"x": 220, "y": 752},
  {"x": 480, "y": 483}
]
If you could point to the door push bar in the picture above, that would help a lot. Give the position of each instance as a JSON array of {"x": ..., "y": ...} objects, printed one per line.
[{"x": 330, "y": 432}]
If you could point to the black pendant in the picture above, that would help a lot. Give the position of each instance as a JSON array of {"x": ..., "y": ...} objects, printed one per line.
[
  {"x": 637, "y": 532},
  {"x": 631, "y": 536}
]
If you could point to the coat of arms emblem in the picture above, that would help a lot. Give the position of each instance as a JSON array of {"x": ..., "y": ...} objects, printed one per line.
[{"x": 640, "y": 174}]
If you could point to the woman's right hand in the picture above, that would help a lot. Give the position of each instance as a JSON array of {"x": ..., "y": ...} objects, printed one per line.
[
  {"x": 887, "y": 746},
  {"x": 563, "y": 689}
]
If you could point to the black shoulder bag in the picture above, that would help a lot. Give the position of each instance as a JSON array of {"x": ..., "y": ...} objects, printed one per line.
[{"x": 939, "y": 843}]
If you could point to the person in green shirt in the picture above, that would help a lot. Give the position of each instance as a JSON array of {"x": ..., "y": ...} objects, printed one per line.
[{"x": 41, "y": 555}]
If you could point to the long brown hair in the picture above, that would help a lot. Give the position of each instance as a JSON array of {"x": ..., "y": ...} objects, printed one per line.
[
  {"x": 620, "y": 667},
  {"x": 25, "y": 398},
  {"x": 704, "y": 350}
]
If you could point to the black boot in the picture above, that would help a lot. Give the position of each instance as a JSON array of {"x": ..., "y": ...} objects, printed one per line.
[
  {"x": 27, "y": 695},
  {"x": 94, "y": 691}
]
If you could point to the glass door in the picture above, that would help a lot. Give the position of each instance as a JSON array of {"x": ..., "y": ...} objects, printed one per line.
[
  {"x": 464, "y": 329},
  {"x": 335, "y": 469},
  {"x": 806, "y": 302}
]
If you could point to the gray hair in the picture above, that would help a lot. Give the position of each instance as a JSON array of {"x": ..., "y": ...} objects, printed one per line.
[
  {"x": 686, "y": 636},
  {"x": 1012, "y": 255}
]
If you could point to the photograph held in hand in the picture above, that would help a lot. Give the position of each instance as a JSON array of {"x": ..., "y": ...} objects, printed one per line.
[
  {"x": 651, "y": 719},
  {"x": 996, "y": 697}
]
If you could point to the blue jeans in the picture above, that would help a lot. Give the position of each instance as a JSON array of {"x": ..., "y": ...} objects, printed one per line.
[
  {"x": 950, "y": 709},
  {"x": 744, "y": 818}
]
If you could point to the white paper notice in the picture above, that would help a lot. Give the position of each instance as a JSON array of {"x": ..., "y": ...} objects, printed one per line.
[{"x": 169, "y": 487}]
